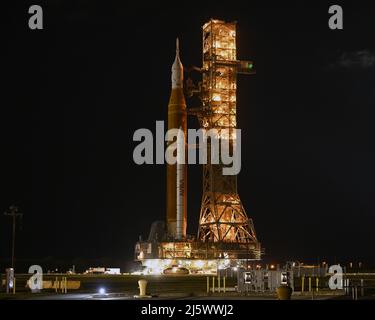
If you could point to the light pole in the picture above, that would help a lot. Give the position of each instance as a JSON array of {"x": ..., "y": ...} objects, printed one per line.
[{"x": 14, "y": 213}]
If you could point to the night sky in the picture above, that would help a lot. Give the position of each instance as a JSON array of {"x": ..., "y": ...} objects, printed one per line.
[{"x": 74, "y": 93}]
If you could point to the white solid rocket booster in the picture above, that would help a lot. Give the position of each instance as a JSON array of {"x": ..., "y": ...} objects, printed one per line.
[{"x": 180, "y": 184}]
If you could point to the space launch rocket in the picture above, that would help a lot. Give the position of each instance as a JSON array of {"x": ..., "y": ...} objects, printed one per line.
[{"x": 177, "y": 173}]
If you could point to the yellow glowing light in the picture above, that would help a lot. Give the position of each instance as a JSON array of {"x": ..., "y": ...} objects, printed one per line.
[{"x": 216, "y": 97}]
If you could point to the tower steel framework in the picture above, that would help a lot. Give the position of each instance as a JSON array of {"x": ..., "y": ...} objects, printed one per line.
[{"x": 223, "y": 219}]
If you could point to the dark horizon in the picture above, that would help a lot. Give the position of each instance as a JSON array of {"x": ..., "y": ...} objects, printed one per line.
[{"x": 75, "y": 93}]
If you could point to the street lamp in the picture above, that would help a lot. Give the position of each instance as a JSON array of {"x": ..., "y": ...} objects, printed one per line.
[{"x": 13, "y": 212}]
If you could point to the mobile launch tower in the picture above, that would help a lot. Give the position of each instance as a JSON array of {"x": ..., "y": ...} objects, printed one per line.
[
  {"x": 226, "y": 236},
  {"x": 222, "y": 218}
]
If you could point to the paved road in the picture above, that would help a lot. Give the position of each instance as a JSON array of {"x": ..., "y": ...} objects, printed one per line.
[{"x": 89, "y": 296}]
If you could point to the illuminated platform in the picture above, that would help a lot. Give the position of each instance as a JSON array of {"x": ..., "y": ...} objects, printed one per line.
[{"x": 195, "y": 256}]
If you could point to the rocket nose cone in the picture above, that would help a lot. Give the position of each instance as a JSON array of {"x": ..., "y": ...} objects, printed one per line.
[{"x": 177, "y": 68}]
